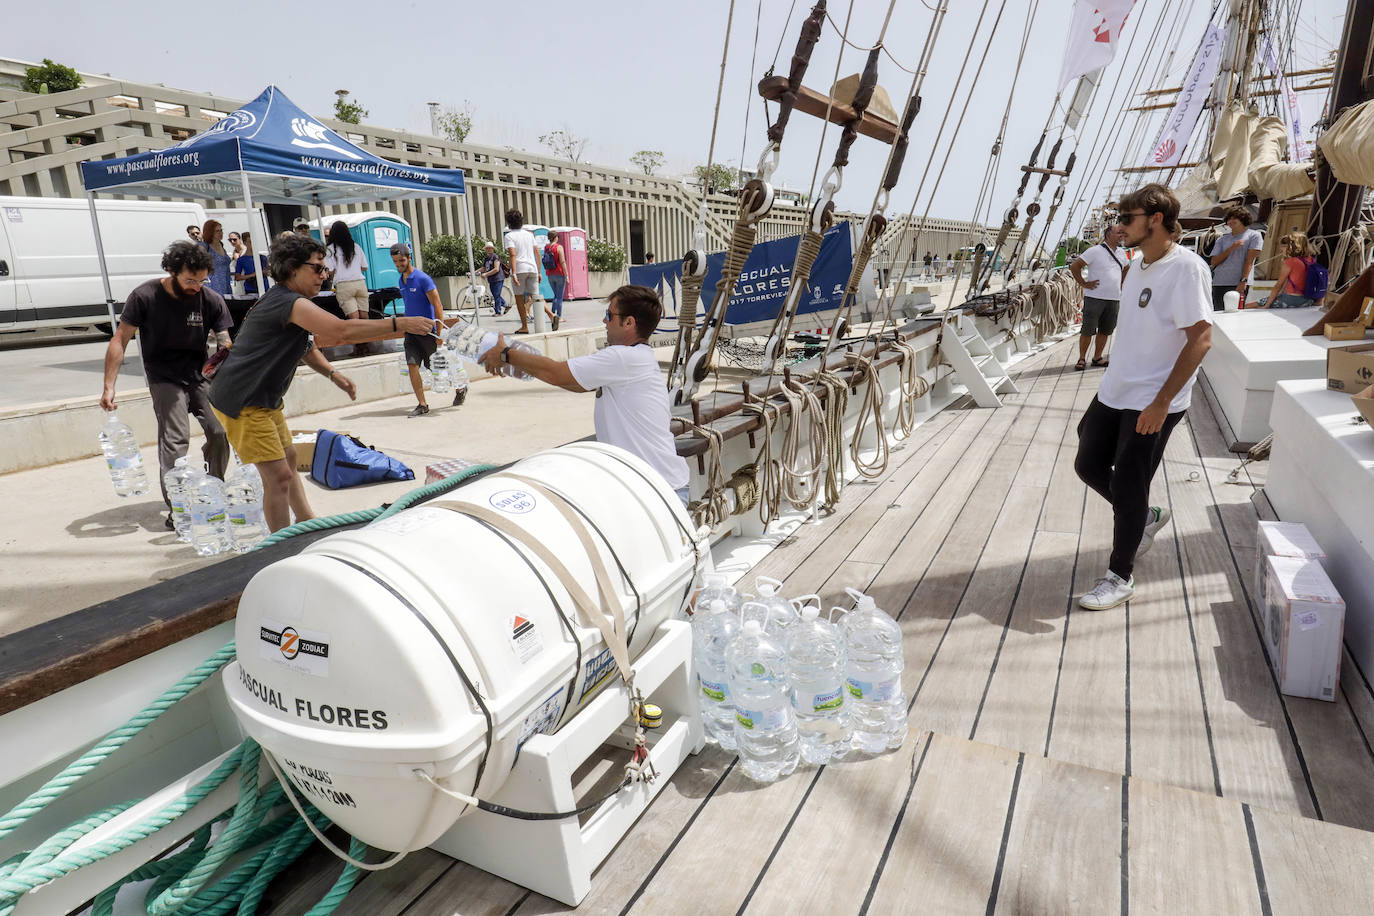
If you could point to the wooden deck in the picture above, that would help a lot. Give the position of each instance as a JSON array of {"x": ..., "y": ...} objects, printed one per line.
[{"x": 1140, "y": 759}]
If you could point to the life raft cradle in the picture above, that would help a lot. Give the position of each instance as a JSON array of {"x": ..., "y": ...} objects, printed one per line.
[{"x": 537, "y": 800}]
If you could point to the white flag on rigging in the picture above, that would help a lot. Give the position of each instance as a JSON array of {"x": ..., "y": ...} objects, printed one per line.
[
  {"x": 1093, "y": 33},
  {"x": 1178, "y": 127},
  {"x": 1298, "y": 150}
]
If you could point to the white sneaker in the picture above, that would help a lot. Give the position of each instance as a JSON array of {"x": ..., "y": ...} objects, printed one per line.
[
  {"x": 1161, "y": 516},
  {"x": 1109, "y": 591}
]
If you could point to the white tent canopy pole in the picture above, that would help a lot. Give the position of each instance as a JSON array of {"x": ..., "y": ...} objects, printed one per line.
[
  {"x": 248, "y": 215},
  {"x": 472, "y": 266},
  {"x": 104, "y": 269}
]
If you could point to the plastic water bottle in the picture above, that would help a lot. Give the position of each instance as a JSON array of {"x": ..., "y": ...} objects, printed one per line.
[
  {"x": 781, "y": 613},
  {"x": 175, "y": 482},
  {"x": 713, "y": 628},
  {"x": 403, "y": 379},
  {"x": 438, "y": 364},
  {"x": 873, "y": 676},
  {"x": 717, "y": 589},
  {"x": 123, "y": 457},
  {"x": 460, "y": 381},
  {"x": 209, "y": 515},
  {"x": 816, "y": 674},
  {"x": 243, "y": 500},
  {"x": 765, "y": 728},
  {"x": 471, "y": 343}
]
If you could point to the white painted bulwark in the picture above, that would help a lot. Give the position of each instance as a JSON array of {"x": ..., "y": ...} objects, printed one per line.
[
  {"x": 1252, "y": 351},
  {"x": 1321, "y": 473}
]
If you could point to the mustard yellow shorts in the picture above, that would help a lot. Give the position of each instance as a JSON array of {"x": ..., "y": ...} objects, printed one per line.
[{"x": 258, "y": 434}]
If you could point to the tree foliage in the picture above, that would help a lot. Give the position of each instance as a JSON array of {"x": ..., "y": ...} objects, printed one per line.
[
  {"x": 648, "y": 160},
  {"x": 565, "y": 144},
  {"x": 447, "y": 255},
  {"x": 1075, "y": 246},
  {"x": 349, "y": 111},
  {"x": 718, "y": 178},
  {"x": 455, "y": 123},
  {"x": 50, "y": 77},
  {"x": 603, "y": 256}
]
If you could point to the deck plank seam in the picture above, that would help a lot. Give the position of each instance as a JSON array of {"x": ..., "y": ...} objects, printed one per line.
[
  {"x": 644, "y": 885},
  {"x": 1025, "y": 563},
  {"x": 1126, "y": 608},
  {"x": 1259, "y": 632},
  {"x": 418, "y": 897},
  {"x": 1192, "y": 637},
  {"x": 1365, "y": 681},
  {"x": 1126, "y": 843},
  {"x": 896, "y": 826},
  {"x": 782, "y": 838},
  {"x": 1006, "y": 836},
  {"x": 1261, "y": 886},
  {"x": 954, "y": 612}
]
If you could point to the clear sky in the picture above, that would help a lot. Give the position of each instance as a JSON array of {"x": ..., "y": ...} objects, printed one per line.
[{"x": 637, "y": 75}]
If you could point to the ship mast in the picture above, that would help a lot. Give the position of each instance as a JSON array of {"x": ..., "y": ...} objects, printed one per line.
[{"x": 1335, "y": 205}]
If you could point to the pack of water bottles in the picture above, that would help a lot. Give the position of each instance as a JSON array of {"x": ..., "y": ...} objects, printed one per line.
[
  {"x": 780, "y": 683},
  {"x": 468, "y": 342},
  {"x": 212, "y": 515}
]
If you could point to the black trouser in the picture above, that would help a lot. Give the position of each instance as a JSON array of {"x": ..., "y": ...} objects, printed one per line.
[{"x": 1119, "y": 463}]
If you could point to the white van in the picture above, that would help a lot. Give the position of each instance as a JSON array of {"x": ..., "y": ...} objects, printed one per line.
[{"x": 49, "y": 271}]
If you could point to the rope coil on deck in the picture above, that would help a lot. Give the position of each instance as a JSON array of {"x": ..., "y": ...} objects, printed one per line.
[{"x": 870, "y": 414}]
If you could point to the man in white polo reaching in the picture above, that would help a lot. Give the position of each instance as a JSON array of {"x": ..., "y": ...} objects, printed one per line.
[{"x": 1163, "y": 332}]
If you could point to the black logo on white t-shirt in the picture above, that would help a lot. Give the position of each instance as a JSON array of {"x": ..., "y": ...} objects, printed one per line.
[{"x": 1145, "y": 297}]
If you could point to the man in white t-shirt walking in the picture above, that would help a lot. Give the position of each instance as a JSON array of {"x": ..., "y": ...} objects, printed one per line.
[
  {"x": 1165, "y": 331},
  {"x": 524, "y": 268},
  {"x": 632, "y": 410},
  {"x": 1106, "y": 264}
]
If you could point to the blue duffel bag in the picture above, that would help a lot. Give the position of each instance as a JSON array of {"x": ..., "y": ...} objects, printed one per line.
[{"x": 343, "y": 461}]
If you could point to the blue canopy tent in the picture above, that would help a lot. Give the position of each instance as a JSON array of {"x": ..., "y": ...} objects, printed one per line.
[{"x": 269, "y": 151}]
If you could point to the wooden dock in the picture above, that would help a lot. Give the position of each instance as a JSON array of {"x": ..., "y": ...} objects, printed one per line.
[{"x": 1060, "y": 761}]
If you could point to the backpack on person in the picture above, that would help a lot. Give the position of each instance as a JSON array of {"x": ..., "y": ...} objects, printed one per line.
[
  {"x": 550, "y": 259},
  {"x": 1314, "y": 287},
  {"x": 344, "y": 461}
]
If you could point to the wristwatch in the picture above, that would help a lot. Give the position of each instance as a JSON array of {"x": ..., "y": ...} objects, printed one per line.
[{"x": 505, "y": 355}]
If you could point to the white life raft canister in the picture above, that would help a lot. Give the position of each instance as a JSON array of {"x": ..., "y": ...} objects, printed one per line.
[{"x": 439, "y": 640}]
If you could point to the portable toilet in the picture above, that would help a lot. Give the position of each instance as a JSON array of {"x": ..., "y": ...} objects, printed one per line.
[
  {"x": 574, "y": 242},
  {"x": 541, "y": 238},
  {"x": 375, "y": 231}
]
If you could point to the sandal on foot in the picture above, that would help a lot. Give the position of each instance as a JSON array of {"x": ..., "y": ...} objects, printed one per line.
[
  {"x": 1080, "y": 365},
  {"x": 1100, "y": 363}
]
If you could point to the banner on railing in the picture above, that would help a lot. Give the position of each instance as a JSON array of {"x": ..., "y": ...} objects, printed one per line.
[{"x": 764, "y": 281}]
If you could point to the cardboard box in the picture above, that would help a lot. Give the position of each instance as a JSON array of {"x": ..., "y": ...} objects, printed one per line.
[
  {"x": 441, "y": 469},
  {"x": 1344, "y": 330},
  {"x": 1364, "y": 403},
  {"x": 1350, "y": 369},
  {"x": 1283, "y": 539},
  {"x": 304, "y": 441},
  {"x": 1367, "y": 312},
  {"x": 1304, "y": 626}
]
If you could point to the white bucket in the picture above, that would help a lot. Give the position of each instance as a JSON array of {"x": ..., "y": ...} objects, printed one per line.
[{"x": 431, "y": 641}]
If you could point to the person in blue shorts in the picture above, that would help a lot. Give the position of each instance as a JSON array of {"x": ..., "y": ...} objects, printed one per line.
[{"x": 421, "y": 298}]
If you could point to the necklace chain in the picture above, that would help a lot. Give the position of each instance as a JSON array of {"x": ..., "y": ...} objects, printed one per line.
[{"x": 1144, "y": 267}]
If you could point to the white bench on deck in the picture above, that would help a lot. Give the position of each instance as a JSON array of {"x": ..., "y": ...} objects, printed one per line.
[
  {"x": 1321, "y": 473},
  {"x": 1254, "y": 349}
]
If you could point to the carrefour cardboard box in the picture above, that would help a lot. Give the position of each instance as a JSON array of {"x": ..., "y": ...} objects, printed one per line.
[
  {"x": 1304, "y": 625},
  {"x": 1350, "y": 369},
  {"x": 1283, "y": 539},
  {"x": 304, "y": 441},
  {"x": 1364, "y": 403}
]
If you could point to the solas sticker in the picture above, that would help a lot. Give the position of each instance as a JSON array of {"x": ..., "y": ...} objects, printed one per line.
[{"x": 524, "y": 638}]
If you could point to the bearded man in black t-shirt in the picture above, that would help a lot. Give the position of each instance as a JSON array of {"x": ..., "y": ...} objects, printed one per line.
[{"x": 173, "y": 316}]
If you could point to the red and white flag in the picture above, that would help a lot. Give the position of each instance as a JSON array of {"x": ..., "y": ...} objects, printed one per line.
[
  {"x": 1178, "y": 128},
  {"x": 1093, "y": 34}
]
